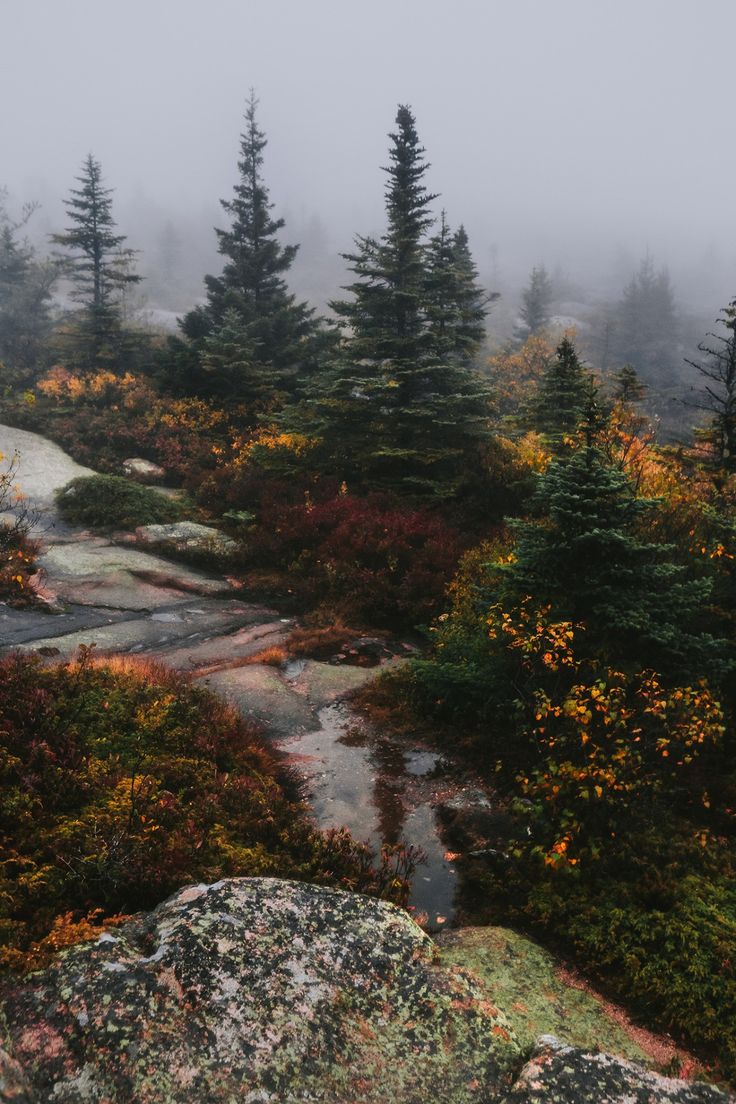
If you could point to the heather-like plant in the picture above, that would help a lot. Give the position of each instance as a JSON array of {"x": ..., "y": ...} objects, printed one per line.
[{"x": 122, "y": 782}]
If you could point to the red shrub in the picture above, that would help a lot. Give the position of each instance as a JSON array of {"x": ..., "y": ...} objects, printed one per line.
[{"x": 370, "y": 557}]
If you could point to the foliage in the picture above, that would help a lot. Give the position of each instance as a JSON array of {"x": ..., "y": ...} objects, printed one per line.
[
  {"x": 588, "y": 556},
  {"x": 102, "y": 418},
  {"x": 122, "y": 782},
  {"x": 26, "y": 286},
  {"x": 17, "y": 550},
  {"x": 369, "y": 559},
  {"x": 618, "y": 846},
  {"x": 112, "y": 502},
  {"x": 515, "y": 374}
]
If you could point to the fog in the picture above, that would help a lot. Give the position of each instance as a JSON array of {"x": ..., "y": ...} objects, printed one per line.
[{"x": 579, "y": 134}]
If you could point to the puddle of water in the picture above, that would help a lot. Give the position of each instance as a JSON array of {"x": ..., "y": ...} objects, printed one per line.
[
  {"x": 166, "y": 616},
  {"x": 361, "y": 787}
]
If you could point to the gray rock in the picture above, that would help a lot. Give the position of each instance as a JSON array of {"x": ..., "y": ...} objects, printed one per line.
[
  {"x": 262, "y": 695},
  {"x": 258, "y": 990},
  {"x": 559, "y": 1074},
  {"x": 101, "y": 574},
  {"x": 43, "y": 467},
  {"x": 187, "y": 536},
  {"x": 325, "y": 683},
  {"x": 143, "y": 471}
]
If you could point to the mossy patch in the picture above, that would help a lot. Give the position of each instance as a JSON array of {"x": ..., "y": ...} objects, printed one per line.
[{"x": 524, "y": 980}]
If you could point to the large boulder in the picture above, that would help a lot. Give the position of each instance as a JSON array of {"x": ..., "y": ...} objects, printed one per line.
[{"x": 257, "y": 990}]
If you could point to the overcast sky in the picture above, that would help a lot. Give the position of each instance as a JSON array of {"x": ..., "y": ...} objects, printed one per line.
[{"x": 558, "y": 130}]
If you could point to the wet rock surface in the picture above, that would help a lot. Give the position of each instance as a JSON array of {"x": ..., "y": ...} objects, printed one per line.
[
  {"x": 559, "y": 1074},
  {"x": 259, "y": 990}
]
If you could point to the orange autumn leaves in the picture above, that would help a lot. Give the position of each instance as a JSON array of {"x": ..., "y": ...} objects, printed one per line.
[{"x": 605, "y": 739}]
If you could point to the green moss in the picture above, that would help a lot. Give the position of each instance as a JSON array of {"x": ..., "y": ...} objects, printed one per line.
[{"x": 523, "y": 979}]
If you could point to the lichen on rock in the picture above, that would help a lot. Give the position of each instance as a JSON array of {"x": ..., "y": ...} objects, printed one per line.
[
  {"x": 259, "y": 990},
  {"x": 559, "y": 1074}
]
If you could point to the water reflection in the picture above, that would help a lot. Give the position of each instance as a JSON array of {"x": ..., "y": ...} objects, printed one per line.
[{"x": 364, "y": 783}]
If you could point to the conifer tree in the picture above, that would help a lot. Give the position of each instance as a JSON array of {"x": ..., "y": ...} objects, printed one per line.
[
  {"x": 587, "y": 556},
  {"x": 560, "y": 401},
  {"x": 26, "y": 284},
  {"x": 627, "y": 387},
  {"x": 719, "y": 399},
  {"x": 98, "y": 264},
  {"x": 535, "y": 304},
  {"x": 645, "y": 334},
  {"x": 397, "y": 408},
  {"x": 386, "y": 313},
  {"x": 456, "y": 305},
  {"x": 281, "y": 335}
]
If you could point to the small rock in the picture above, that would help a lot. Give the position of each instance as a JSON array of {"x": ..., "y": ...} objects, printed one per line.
[
  {"x": 187, "y": 536},
  {"x": 143, "y": 471}
]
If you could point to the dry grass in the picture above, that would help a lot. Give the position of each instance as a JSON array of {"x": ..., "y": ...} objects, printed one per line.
[
  {"x": 275, "y": 656},
  {"x": 319, "y": 642}
]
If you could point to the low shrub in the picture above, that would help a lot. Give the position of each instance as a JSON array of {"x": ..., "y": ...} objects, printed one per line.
[
  {"x": 370, "y": 560},
  {"x": 121, "y": 782},
  {"x": 112, "y": 502},
  {"x": 654, "y": 924}
]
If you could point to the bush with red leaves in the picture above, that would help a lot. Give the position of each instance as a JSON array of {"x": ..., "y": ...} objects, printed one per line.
[{"x": 366, "y": 558}]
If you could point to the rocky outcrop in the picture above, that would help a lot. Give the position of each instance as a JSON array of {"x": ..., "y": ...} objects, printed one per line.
[
  {"x": 258, "y": 990},
  {"x": 261, "y": 990}
]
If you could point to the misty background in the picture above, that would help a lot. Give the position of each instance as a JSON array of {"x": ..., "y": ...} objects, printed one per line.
[{"x": 582, "y": 136}]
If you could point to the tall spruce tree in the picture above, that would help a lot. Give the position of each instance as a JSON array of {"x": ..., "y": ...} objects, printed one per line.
[
  {"x": 561, "y": 399},
  {"x": 386, "y": 312},
  {"x": 587, "y": 555},
  {"x": 98, "y": 265},
  {"x": 396, "y": 409},
  {"x": 278, "y": 338},
  {"x": 645, "y": 333}
]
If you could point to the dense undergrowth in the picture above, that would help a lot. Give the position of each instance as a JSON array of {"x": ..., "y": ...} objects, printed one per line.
[{"x": 122, "y": 782}]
